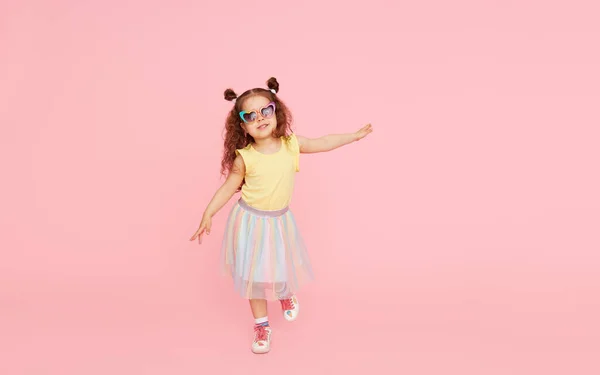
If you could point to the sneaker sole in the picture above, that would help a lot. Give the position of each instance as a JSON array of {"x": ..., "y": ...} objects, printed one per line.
[
  {"x": 262, "y": 351},
  {"x": 265, "y": 351}
]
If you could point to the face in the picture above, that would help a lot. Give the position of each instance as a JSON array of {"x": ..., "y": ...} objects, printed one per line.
[{"x": 258, "y": 117}]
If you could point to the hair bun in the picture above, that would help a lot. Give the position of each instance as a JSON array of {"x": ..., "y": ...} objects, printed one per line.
[
  {"x": 230, "y": 95},
  {"x": 273, "y": 84}
]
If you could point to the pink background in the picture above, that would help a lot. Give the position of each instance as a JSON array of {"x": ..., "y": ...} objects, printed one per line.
[{"x": 461, "y": 237}]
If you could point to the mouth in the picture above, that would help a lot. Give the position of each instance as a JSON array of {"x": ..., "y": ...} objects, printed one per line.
[{"x": 263, "y": 126}]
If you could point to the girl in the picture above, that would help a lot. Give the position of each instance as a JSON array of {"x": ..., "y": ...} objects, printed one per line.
[{"x": 262, "y": 249}]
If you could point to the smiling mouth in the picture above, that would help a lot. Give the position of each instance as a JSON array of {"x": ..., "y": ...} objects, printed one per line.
[{"x": 263, "y": 126}]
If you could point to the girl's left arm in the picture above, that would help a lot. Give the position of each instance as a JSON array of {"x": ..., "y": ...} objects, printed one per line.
[{"x": 331, "y": 141}]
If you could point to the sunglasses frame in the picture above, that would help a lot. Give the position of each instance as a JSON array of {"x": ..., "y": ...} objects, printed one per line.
[{"x": 242, "y": 113}]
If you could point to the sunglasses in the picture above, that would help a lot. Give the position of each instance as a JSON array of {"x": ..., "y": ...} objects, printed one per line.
[{"x": 267, "y": 112}]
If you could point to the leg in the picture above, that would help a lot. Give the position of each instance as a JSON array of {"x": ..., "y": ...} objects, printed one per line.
[{"x": 259, "y": 308}]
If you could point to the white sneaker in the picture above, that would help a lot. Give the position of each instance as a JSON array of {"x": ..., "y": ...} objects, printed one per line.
[
  {"x": 290, "y": 307},
  {"x": 262, "y": 340}
]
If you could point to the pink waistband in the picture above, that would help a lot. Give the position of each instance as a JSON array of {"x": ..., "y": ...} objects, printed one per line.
[{"x": 258, "y": 212}]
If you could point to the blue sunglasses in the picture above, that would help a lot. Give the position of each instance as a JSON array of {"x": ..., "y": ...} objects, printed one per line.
[{"x": 267, "y": 112}]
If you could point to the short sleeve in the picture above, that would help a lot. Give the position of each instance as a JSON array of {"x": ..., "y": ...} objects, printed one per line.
[
  {"x": 243, "y": 152},
  {"x": 294, "y": 147}
]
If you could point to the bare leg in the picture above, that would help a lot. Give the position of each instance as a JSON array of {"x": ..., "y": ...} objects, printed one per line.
[{"x": 258, "y": 307}]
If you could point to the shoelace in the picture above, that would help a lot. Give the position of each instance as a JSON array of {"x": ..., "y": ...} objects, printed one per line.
[
  {"x": 260, "y": 333},
  {"x": 287, "y": 304}
]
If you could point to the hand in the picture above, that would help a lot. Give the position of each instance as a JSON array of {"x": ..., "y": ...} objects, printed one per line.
[
  {"x": 205, "y": 225},
  {"x": 367, "y": 129}
]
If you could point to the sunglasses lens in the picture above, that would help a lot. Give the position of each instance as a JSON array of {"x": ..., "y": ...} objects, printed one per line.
[
  {"x": 249, "y": 117},
  {"x": 268, "y": 110}
]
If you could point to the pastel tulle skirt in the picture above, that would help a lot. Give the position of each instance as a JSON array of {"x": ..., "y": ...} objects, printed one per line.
[{"x": 264, "y": 253}]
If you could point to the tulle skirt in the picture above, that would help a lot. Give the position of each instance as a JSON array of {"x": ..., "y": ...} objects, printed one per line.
[{"x": 264, "y": 253}]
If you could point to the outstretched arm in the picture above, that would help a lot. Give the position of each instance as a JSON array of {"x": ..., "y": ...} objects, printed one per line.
[
  {"x": 221, "y": 197},
  {"x": 229, "y": 187},
  {"x": 331, "y": 141}
]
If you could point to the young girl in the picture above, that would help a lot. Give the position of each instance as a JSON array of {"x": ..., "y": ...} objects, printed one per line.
[{"x": 262, "y": 248}]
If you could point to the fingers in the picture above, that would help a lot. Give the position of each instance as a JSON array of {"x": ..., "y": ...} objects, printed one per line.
[
  {"x": 198, "y": 234},
  {"x": 207, "y": 230},
  {"x": 204, "y": 229},
  {"x": 367, "y": 129}
]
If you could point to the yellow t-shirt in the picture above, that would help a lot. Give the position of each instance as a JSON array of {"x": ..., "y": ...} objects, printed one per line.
[{"x": 269, "y": 179}]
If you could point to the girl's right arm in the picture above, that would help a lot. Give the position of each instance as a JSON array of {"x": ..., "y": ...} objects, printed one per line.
[{"x": 221, "y": 197}]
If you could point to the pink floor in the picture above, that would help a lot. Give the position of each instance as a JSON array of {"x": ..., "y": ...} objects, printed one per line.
[{"x": 475, "y": 322}]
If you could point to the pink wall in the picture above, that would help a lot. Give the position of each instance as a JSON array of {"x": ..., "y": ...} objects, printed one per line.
[{"x": 460, "y": 237}]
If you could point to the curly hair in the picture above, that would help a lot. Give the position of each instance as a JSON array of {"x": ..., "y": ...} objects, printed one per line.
[{"x": 235, "y": 137}]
